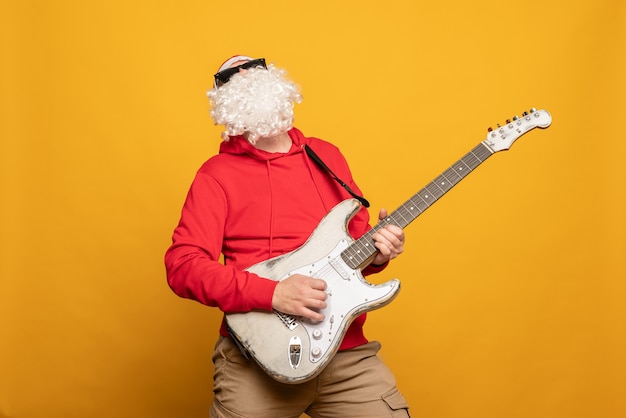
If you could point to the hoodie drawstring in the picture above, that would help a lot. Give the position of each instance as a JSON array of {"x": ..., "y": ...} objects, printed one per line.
[{"x": 271, "y": 231}]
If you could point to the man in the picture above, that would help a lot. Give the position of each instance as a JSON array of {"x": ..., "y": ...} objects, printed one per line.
[{"x": 260, "y": 197}]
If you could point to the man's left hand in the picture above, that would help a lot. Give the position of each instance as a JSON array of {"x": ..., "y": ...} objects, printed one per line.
[{"x": 389, "y": 241}]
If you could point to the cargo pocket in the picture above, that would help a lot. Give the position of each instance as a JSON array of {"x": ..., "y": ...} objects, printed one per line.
[{"x": 396, "y": 403}]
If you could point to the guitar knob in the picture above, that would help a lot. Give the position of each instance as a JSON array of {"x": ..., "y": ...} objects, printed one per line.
[
  {"x": 316, "y": 352},
  {"x": 317, "y": 334}
]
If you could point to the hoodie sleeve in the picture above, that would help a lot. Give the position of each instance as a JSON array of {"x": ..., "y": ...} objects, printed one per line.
[{"x": 192, "y": 261}]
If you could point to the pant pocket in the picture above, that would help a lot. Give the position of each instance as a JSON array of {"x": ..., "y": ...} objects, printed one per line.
[{"x": 395, "y": 400}]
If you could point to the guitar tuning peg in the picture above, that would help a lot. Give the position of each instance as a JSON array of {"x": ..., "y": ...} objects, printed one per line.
[
  {"x": 489, "y": 129},
  {"x": 508, "y": 121},
  {"x": 533, "y": 110},
  {"x": 525, "y": 114},
  {"x": 515, "y": 117}
]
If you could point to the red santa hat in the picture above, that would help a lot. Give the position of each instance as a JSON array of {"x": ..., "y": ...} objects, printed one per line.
[{"x": 230, "y": 61}]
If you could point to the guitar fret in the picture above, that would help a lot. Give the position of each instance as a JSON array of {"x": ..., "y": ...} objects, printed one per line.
[
  {"x": 452, "y": 171},
  {"x": 452, "y": 177},
  {"x": 461, "y": 169},
  {"x": 360, "y": 250},
  {"x": 434, "y": 190},
  {"x": 443, "y": 183},
  {"x": 422, "y": 205},
  {"x": 407, "y": 212},
  {"x": 471, "y": 160},
  {"x": 399, "y": 212}
]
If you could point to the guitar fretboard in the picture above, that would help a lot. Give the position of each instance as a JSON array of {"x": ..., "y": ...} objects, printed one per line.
[{"x": 362, "y": 249}]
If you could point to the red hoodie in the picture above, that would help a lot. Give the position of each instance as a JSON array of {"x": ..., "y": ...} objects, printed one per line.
[{"x": 251, "y": 205}]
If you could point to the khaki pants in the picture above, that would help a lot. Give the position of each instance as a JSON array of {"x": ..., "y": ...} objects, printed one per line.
[{"x": 356, "y": 383}]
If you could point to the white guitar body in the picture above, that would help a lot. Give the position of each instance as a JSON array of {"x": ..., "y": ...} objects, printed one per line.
[{"x": 293, "y": 349}]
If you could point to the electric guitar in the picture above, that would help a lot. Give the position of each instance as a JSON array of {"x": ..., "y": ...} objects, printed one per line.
[{"x": 292, "y": 349}]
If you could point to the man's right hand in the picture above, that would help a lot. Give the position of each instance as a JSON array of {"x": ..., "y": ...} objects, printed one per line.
[{"x": 301, "y": 296}]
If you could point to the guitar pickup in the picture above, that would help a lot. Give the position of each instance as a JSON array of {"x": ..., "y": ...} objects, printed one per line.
[{"x": 337, "y": 264}]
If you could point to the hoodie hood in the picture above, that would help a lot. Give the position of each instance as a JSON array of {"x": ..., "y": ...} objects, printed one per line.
[{"x": 238, "y": 145}]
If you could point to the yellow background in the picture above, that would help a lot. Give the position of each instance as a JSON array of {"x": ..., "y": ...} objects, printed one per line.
[{"x": 513, "y": 284}]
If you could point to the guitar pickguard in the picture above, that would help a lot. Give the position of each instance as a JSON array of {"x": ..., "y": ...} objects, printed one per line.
[{"x": 343, "y": 300}]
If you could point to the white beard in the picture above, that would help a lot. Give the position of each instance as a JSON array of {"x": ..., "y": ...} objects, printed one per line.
[{"x": 256, "y": 103}]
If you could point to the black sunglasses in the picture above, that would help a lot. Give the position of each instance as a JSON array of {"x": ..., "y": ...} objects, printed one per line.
[{"x": 223, "y": 76}]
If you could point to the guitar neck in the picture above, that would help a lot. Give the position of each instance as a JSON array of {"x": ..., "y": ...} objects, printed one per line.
[{"x": 359, "y": 253}]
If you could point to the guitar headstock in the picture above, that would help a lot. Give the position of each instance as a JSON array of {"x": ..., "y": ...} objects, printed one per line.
[{"x": 503, "y": 137}]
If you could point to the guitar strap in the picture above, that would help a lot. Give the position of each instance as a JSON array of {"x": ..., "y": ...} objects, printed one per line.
[{"x": 321, "y": 163}]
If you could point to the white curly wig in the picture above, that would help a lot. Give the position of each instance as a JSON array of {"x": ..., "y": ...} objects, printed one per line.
[{"x": 255, "y": 103}]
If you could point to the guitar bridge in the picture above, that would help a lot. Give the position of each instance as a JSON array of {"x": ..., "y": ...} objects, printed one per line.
[{"x": 290, "y": 321}]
